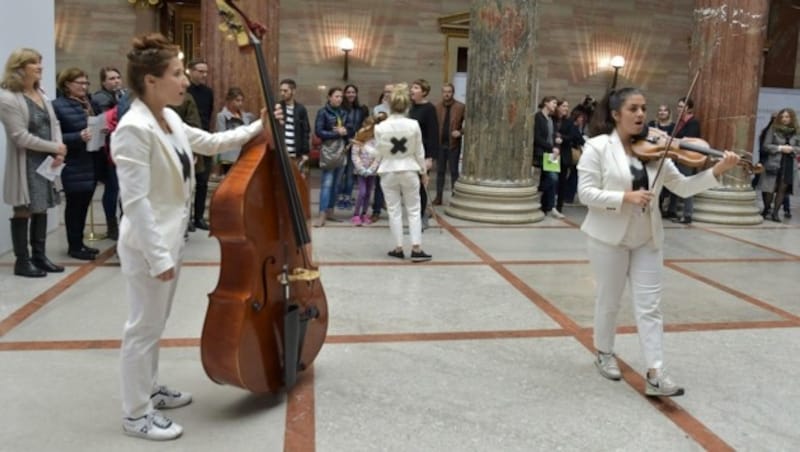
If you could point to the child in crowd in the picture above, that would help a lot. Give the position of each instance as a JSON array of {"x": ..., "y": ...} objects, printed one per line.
[{"x": 365, "y": 167}]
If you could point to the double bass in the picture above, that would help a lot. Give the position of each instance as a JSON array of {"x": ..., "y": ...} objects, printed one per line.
[{"x": 267, "y": 318}]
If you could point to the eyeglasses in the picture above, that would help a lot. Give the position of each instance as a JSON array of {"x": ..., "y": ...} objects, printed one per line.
[{"x": 81, "y": 83}]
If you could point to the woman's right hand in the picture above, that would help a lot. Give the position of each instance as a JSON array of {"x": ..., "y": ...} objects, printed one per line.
[
  {"x": 58, "y": 160},
  {"x": 86, "y": 135},
  {"x": 167, "y": 275},
  {"x": 786, "y": 149},
  {"x": 639, "y": 198}
]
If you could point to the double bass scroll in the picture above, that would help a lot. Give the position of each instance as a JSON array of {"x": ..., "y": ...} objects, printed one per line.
[{"x": 268, "y": 317}]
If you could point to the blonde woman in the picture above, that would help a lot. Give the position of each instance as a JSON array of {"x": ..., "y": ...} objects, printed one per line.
[
  {"x": 402, "y": 168},
  {"x": 32, "y": 134}
]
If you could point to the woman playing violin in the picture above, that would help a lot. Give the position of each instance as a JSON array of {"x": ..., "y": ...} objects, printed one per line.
[
  {"x": 624, "y": 230},
  {"x": 153, "y": 150}
]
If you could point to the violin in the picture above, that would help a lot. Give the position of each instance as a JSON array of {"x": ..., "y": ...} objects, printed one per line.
[
  {"x": 268, "y": 317},
  {"x": 690, "y": 152}
]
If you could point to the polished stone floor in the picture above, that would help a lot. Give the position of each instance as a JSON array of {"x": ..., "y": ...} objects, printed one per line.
[{"x": 486, "y": 348}]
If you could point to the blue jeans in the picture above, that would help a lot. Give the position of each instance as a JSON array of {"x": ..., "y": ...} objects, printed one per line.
[
  {"x": 327, "y": 189},
  {"x": 111, "y": 193},
  {"x": 548, "y": 186}
]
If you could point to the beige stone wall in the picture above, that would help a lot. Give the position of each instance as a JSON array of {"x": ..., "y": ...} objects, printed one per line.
[
  {"x": 394, "y": 41},
  {"x": 400, "y": 41},
  {"x": 577, "y": 38},
  {"x": 91, "y": 34}
]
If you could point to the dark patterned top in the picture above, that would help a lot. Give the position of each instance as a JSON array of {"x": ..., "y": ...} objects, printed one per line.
[{"x": 41, "y": 191}]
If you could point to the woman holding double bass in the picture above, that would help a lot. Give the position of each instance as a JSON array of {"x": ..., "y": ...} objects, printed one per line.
[{"x": 153, "y": 151}]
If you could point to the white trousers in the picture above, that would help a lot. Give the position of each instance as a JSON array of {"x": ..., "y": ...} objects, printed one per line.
[
  {"x": 402, "y": 188},
  {"x": 613, "y": 266},
  {"x": 150, "y": 301}
]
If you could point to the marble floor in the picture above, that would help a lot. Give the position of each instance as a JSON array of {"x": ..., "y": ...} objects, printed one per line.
[{"x": 486, "y": 348}]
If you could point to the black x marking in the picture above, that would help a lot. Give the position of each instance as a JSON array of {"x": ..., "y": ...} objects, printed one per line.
[{"x": 398, "y": 145}]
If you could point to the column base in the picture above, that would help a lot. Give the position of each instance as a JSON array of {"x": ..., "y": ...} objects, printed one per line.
[
  {"x": 727, "y": 205},
  {"x": 511, "y": 204}
]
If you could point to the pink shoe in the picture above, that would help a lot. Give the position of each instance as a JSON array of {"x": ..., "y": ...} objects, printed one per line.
[
  {"x": 356, "y": 220},
  {"x": 365, "y": 220}
]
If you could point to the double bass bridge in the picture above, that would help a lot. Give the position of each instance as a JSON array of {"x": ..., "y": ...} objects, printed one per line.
[{"x": 298, "y": 274}]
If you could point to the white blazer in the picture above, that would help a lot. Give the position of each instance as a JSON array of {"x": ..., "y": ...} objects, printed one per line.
[
  {"x": 604, "y": 176},
  {"x": 155, "y": 197},
  {"x": 398, "y": 127}
]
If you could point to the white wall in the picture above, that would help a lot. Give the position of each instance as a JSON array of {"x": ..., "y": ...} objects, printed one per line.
[{"x": 26, "y": 24}]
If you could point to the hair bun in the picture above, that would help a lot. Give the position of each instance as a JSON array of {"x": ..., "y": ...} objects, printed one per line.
[{"x": 150, "y": 41}]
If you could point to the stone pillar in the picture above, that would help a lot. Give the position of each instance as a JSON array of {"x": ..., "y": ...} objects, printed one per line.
[
  {"x": 227, "y": 65},
  {"x": 727, "y": 48},
  {"x": 496, "y": 183}
]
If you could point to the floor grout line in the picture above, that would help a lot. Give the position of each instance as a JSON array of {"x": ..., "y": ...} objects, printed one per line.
[
  {"x": 300, "y": 423},
  {"x": 671, "y": 409},
  {"x": 741, "y": 295},
  {"x": 751, "y": 243},
  {"x": 28, "y": 309},
  {"x": 338, "y": 339}
]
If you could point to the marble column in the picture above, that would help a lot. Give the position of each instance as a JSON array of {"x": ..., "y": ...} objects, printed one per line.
[
  {"x": 496, "y": 183},
  {"x": 227, "y": 65},
  {"x": 727, "y": 47}
]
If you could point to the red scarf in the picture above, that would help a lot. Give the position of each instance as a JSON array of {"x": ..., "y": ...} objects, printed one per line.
[{"x": 686, "y": 117}]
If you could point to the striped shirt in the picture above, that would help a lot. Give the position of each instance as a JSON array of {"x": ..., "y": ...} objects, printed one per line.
[{"x": 289, "y": 130}]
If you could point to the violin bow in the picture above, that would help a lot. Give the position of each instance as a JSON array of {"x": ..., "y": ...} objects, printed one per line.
[{"x": 674, "y": 129}]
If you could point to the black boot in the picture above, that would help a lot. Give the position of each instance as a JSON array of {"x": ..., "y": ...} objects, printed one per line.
[
  {"x": 112, "y": 229},
  {"x": 767, "y": 198},
  {"x": 19, "y": 237},
  {"x": 38, "y": 240}
]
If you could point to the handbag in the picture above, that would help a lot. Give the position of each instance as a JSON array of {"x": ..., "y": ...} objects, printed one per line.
[
  {"x": 331, "y": 154},
  {"x": 576, "y": 155}
]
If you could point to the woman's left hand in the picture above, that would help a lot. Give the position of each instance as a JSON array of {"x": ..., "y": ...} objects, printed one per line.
[{"x": 728, "y": 162}]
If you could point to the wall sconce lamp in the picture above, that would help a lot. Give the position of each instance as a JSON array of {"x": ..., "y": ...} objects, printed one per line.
[
  {"x": 145, "y": 3},
  {"x": 617, "y": 62},
  {"x": 346, "y": 44}
]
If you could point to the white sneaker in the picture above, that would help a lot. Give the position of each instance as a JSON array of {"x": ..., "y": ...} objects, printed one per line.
[
  {"x": 661, "y": 385},
  {"x": 606, "y": 364},
  {"x": 556, "y": 214},
  {"x": 166, "y": 398},
  {"x": 153, "y": 426}
]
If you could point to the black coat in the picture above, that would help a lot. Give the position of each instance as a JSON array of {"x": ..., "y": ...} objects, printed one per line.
[
  {"x": 425, "y": 114},
  {"x": 690, "y": 130},
  {"x": 79, "y": 170},
  {"x": 541, "y": 144},
  {"x": 570, "y": 138}
]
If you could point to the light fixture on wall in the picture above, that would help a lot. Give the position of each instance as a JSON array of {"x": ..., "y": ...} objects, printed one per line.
[
  {"x": 617, "y": 62},
  {"x": 346, "y": 45},
  {"x": 145, "y": 3}
]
